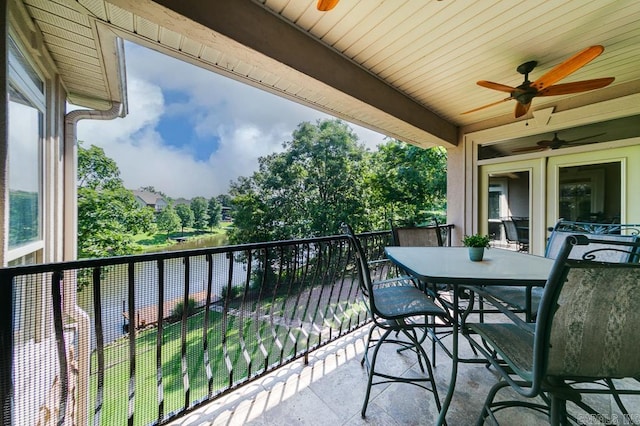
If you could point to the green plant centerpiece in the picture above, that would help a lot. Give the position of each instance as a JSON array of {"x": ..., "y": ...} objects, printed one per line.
[{"x": 476, "y": 243}]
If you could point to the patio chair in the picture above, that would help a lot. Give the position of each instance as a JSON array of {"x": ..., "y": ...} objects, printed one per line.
[
  {"x": 526, "y": 299},
  {"x": 586, "y": 335},
  {"x": 395, "y": 311},
  {"x": 417, "y": 236},
  {"x": 516, "y": 231},
  {"x": 424, "y": 236}
]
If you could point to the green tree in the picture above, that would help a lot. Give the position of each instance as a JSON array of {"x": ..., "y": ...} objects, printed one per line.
[
  {"x": 185, "y": 214},
  {"x": 214, "y": 211},
  {"x": 168, "y": 220},
  {"x": 200, "y": 214},
  {"x": 307, "y": 190},
  {"x": 408, "y": 182},
  {"x": 108, "y": 214}
]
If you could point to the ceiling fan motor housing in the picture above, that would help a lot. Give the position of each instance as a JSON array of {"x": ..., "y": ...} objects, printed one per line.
[{"x": 524, "y": 93}]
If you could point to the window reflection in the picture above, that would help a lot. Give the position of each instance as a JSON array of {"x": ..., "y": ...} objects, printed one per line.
[{"x": 24, "y": 165}]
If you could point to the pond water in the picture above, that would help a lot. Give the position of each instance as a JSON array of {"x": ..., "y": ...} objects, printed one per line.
[{"x": 114, "y": 287}]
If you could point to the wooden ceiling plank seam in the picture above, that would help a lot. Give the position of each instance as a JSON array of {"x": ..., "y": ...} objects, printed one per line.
[
  {"x": 120, "y": 17},
  {"x": 418, "y": 48},
  {"x": 52, "y": 33},
  {"x": 59, "y": 10},
  {"x": 294, "y": 11},
  {"x": 458, "y": 39},
  {"x": 380, "y": 16},
  {"x": 89, "y": 56},
  {"x": 191, "y": 47},
  {"x": 96, "y": 7},
  {"x": 242, "y": 68},
  {"x": 404, "y": 20},
  {"x": 381, "y": 48},
  {"x": 85, "y": 73},
  {"x": 69, "y": 46},
  {"x": 418, "y": 88},
  {"x": 86, "y": 87},
  {"x": 328, "y": 21},
  {"x": 418, "y": 38},
  {"x": 39, "y": 15},
  {"x": 444, "y": 60},
  {"x": 210, "y": 55},
  {"x": 169, "y": 38},
  {"x": 61, "y": 56},
  {"x": 146, "y": 28},
  {"x": 472, "y": 38},
  {"x": 346, "y": 22},
  {"x": 76, "y": 63}
]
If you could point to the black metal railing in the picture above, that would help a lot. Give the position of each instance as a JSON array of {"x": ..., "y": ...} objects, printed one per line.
[{"x": 142, "y": 339}]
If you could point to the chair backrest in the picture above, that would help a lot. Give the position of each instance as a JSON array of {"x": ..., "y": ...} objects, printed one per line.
[
  {"x": 365, "y": 282},
  {"x": 522, "y": 228},
  {"x": 588, "y": 322},
  {"x": 417, "y": 236},
  {"x": 510, "y": 230},
  {"x": 608, "y": 232}
]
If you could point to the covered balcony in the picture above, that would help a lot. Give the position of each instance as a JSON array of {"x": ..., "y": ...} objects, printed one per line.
[{"x": 268, "y": 333}]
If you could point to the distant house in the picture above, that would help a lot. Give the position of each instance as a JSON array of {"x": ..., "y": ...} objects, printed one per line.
[
  {"x": 150, "y": 199},
  {"x": 181, "y": 200}
]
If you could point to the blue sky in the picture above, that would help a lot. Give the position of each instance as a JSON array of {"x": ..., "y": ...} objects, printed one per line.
[{"x": 190, "y": 131}]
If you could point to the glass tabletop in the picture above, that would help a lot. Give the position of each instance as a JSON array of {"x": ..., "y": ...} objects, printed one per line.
[{"x": 451, "y": 265}]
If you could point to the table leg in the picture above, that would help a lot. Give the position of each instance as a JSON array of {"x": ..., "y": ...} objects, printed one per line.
[{"x": 454, "y": 360}]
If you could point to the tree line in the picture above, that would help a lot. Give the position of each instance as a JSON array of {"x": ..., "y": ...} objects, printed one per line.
[
  {"x": 109, "y": 215},
  {"x": 323, "y": 176}
]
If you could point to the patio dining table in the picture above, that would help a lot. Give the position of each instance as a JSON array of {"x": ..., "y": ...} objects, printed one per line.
[{"x": 451, "y": 265}]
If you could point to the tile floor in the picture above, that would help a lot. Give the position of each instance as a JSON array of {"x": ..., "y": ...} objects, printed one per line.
[{"x": 330, "y": 391}]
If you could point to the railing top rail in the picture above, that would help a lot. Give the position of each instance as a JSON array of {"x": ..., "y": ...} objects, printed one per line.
[{"x": 177, "y": 254}]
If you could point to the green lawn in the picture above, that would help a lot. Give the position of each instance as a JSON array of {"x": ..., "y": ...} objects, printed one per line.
[{"x": 193, "y": 237}]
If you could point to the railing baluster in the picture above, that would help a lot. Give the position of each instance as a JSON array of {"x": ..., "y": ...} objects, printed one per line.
[
  {"x": 131, "y": 274},
  {"x": 159, "y": 340},
  {"x": 225, "y": 320},
  {"x": 56, "y": 295},
  {"x": 272, "y": 323},
  {"x": 183, "y": 342},
  {"x": 205, "y": 326},
  {"x": 258, "y": 309},
  {"x": 241, "y": 325},
  {"x": 97, "y": 319},
  {"x": 7, "y": 292}
]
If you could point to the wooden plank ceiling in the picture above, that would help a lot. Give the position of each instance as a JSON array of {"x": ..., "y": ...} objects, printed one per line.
[{"x": 424, "y": 57}]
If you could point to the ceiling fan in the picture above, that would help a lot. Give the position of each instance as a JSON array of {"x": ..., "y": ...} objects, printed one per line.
[
  {"x": 544, "y": 86},
  {"x": 556, "y": 143}
]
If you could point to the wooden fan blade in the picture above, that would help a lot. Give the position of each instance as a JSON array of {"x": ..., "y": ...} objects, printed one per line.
[
  {"x": 572, "y": 64},
  {"x": 586, "y": 137},
  {"x": 488, "y": 105},
  {"x": 496, "y": 86},
  {"x": 522, "y": 109},
  {"x": 326, "y": 5},
  {"x": 546, "y": 144},
  {"x": 576, "y": 87},
  {"x": 529, "y": 149}
]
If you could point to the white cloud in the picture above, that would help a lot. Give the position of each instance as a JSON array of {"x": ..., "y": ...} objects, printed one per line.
[{"x": 247, "y": 123}]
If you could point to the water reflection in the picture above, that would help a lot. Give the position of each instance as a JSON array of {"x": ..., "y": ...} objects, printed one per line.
[{"x": 114, "y": 287}]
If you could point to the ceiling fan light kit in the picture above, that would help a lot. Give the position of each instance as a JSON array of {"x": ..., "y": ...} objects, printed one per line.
[{"x": 544, "y": 86}]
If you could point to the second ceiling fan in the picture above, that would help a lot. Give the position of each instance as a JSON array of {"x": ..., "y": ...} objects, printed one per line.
[
  {"x": 544, "y": 86},
  {"x": 556, "y": 143}
]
